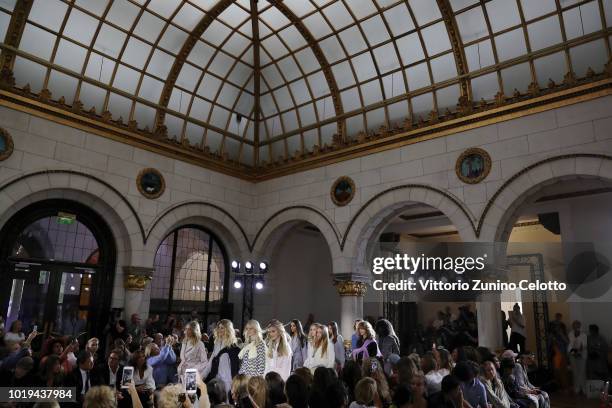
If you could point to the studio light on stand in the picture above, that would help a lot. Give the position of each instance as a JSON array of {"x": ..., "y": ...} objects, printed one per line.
[{"x": 248, "y": 279}]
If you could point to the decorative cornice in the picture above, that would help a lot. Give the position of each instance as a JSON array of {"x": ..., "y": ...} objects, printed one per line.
[
  {"x": 136, "y": 277},
  {"x": 351, "y": 288},
  {"x": 483, "y": 113}
]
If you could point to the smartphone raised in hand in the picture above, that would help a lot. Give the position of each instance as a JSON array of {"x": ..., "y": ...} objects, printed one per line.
[
  {"x": 127, "y": 377},
  {"x": 191, "y": 381}
]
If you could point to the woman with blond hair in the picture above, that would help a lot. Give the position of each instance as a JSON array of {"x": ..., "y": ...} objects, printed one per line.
[
  {"x": 193, "y": 352},
  {"x": 366, "y": 345},
  {"x": 278, "y": 357},
  {"x": 240, "y": 387},
  {"x": 321, "y": 351},
  {"x": 224, "y": 362},
  {"x": 253, "y": 354},
  {"x": 258, "y": 391}
]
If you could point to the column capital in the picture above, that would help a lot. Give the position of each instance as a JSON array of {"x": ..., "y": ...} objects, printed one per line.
[
  {"x": 351, "y": 288},
  {"x": 136, "y": 277}
]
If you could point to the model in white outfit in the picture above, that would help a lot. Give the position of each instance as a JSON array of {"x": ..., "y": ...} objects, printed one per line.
[
  {"x": 278, "y": 356},
  {"x": 223, "y": 363},
  {"x": 193, "y": 351},
  {"x": 577, "y": 349},
  {"x": 321, "y": 351}
]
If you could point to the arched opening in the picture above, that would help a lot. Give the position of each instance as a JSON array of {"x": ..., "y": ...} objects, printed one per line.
[
  {"x": 58, "y": 264},
  {"x": 416, "y": 229},
  {"x": 191, "y": 274},
  {"x": 566, "y": 223},
  {"x": 299, "y": 281}
]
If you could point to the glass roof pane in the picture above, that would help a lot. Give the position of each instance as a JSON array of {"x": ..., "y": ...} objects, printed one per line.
[
  {"x": 37, "y": 41},
  {"x": 443, "y": 67},
  {"x": 160, "y": 64},
  {"x": 364, "y": 67},
  {"x": 100, "y": 68},
  {"x": 550, "y": 67},
  {"x": 70, "y": 55},
  {"x": 307, "y": 60},
  {"x": 422, "y": 105},
  {"x": 353, "y": 40},
  {"x": 29, "y": 73},
  {"x": 386, "y": 58},
  {"x": 485, "y": 87},
  {"x": 149, "y": 26},
  {"x": 582, "y": 20},
  {"x": 592, "y": 54},
  {"x": 361, "y": 9},
  {"x": 436, "y": 39},
  {"x": 123, "y": 13},
  {"x": 537, "y": 8},
  {"x": 503, "y": 14},
  {"x": 350, "y": 99},
  {"x": 173, "y": 39},
  {"x": 332, "y": 49},
  {"x": 188, "y": 17},
  {"x": 371, "y": 92},
  {"x": 516, "y": 77},
  {"x": 317, "y": 25},
  {"x": 374, "y": 30},
  {"x": 418, "y": 76},
  {"x": 91, "y": 95},
  {"x": 544, "y": 33},
  {"x": 338, "y": 15},
  {"x": 511, "y": 44},
  {"x": 136, "y": 53},
  {"x": 292, "y": 37},
  {"x": 299, "y": 7},
  {"x": 479, "y": 55},
  {"x": 62, "y": 85},
  {"x": 447, "y": 97},
  {"x": 424, "y": 11},
  {"x": 410, "y": 48},
  {"x": 151, "y": 89},
  {"x": 344, "y": 76},
  {"x": 126, "y": 79},
  {"x": 289, "y": 68},
  {"x": 393, "y": 85},
  {"x": 109, "y": 41},
  {"x": 5, "y": 20},
  {"x": 163, "y": 7},
  {"x": 399, "y": 19},
  {"x": 461, "y": 4},
  {"x": 472, "y": 24},
  {"x": 81, "y": 27},
  {"x": 48, "y": 13}
]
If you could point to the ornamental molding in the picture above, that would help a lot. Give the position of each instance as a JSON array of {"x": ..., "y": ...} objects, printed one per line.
[{"x": 351, "y": 288}]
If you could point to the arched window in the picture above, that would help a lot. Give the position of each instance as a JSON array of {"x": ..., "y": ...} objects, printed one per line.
[{"x": 190, "y": 274}]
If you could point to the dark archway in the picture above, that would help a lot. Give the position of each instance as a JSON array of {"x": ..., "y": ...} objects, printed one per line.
[{"x": 57, "y": 267}]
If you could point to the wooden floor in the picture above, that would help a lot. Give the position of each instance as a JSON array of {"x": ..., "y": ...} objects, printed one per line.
[{"x": 566, "y": 401}]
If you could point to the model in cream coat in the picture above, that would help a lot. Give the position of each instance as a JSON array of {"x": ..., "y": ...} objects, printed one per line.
[
  {"x": 321, "y": 351},
  {"x": 193, "y": 351},
  {"x": 278, "y": 356}
]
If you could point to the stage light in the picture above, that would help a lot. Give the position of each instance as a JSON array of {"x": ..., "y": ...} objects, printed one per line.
[
  {"x": 248, "y": 267},
  {"x": 237, "y": 283},
  {"x": 235, "y": 264},
  {"x": 263, "y": 267},
  {"x": 259, "y": 283}
]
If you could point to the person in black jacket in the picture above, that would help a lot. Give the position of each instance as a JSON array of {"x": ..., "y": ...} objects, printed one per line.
[
  {"x": 110, "y": 373},
  {"x": 80, "y": 377}
]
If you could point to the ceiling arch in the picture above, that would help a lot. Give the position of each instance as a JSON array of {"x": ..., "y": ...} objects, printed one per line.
[{"x": 323, "y": 67}]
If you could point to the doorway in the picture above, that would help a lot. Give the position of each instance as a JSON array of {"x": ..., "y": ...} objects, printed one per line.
[{"x": 58, "y": 265}]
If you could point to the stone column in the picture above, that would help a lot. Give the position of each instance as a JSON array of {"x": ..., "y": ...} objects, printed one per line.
[
  {"x": 135, "y": 279},
  {"x": 489, "y": 321},
  {"x": 351, "y": 305}
]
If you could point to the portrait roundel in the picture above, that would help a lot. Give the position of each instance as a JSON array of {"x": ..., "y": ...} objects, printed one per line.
[
  {"x": 150, "y": 183},
  {"x": 6, "y": 144},
  {"x": 473, "y": 166},
  {"x": 343, "y": 191}
]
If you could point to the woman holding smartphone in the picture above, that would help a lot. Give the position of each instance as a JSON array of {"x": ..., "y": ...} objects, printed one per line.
[
  {"x": 193, "y": 351},
  {"x": 321, "y": 352},
  {"x": 143, "y": 377},
  {"x": 299, "y": 344},
  {"x": 253, "y": 354},
  {"x": 366, "y": 345},
  {"x": 278, "y": 357}
]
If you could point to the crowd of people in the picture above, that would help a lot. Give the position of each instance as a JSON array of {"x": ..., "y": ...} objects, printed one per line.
[{"x": 277, "y": 365}]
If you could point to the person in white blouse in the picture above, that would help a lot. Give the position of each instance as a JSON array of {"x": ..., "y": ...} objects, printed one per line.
[
  {"x": 143, "y": 377},
  {"x": 14, "y": 333},
  {"x": 193, "y": 351},
  {"x": 278, "y": 357},
  {"x": 224, "y": 362},
  {"x": 577, "y": 349},
  {"x": 321, "y": 351}
]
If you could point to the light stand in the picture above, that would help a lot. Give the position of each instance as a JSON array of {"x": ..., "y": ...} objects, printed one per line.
[{"x": 248, "y": 280}]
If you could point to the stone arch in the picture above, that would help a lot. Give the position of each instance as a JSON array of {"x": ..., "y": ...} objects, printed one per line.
[
  {"x": 375, "y": 215},
  {"x": 217, "y": 220},
  {"x": 497, "y": 219},
  {"x": 85, "y": 189},
  {"x": 282, "y": 221}
]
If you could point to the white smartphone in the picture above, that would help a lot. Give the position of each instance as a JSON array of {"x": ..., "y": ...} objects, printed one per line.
[
  {"x": 35, "y": 328},
  {"x": 127, "y": 377},
  {"x": 190, "y": 381}
]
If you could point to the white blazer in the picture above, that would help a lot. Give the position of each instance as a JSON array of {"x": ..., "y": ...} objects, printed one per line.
[
  {"x": 316, "y": 359},
  {"x": 279, "y": 364}
]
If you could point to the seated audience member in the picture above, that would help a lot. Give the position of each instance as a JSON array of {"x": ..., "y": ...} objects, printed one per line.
[
  {"x": 276, "y": 388},
  {"x": 433, "y": 377},
  {"x": 92, "y": 346},
  {"x": 110, "y": 373},
  {"x": 522, "y": 380},
  {"x": 336, "y": 395},
  {"x": 496, "y": 393},
  {"x": 473, "y": 390},
  {"x": 366, "y": 394},
  {"x": 173, "y": 396},
  {"x": 16, "y": 352},
  {"x": 418, "y": 390},
  {"x": 104, "y": 397},
  {"x": 240, "y": 387},
  {"x": 351, "y": 374},
  {"x": 217, "y": 394},
  {"x": 518, "y": 395},
  {"x": 258, "y": 390},
  {"x": 162, "y": 361},
  {"x": 373, "y": 368},
  {"x": 296, "y": 391},
  {"x": 21, "y": 376},
  {"x": 323, "y": 378},
  {"x": 80, "y": 377},
  {"x": 143, "y": 377},
  {"x": 450, "y": 396},
  {"x": 402, "y": 397},
  {"x": 305, "y": 374},
  {"x": 51, "y": 373},
  {"x": 15, "y": 333}
]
